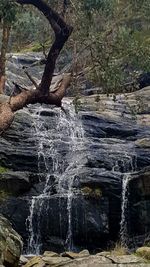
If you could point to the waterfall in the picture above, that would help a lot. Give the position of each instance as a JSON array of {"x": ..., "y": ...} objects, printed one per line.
[
  {"x": 124, "y": 207},
  {"x": 68, "y": 129},
  {"x": 129, "y": 167}
]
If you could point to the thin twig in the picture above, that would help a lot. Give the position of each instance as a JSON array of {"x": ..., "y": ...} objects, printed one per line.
[{"x": 31, "y": 79}]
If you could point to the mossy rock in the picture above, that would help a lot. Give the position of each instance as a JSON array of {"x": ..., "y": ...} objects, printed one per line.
[
  {"x": 144, "y": 252},
  {"x": 91, "y": 192},
  {"x": 10, "y": 244},
  {"x": 144, "y": 142},
  {"x": 3, "y": 195},
  {"x": 3, "y": 169}
]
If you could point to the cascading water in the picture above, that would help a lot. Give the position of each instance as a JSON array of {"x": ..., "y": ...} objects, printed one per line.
[
  {"x": 69, "y": 130},
  {"x": 124, "y": 206},
  {"x": 128, "y": 168},
  {"x": 127, "y": 164}
]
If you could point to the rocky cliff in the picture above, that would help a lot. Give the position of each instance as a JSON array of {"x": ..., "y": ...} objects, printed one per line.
[{"x": 79, "y": 178}]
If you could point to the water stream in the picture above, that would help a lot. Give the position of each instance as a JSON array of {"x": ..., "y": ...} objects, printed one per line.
[
  {"x": 68, "y": 129},
  {"x": 129, "y": 167}
]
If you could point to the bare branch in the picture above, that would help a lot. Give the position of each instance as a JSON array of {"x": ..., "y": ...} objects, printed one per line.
[
  {"x": 62, "y": 32},
  {"x": 31, "y": 79},
  {"x": 41, "y": 94}
]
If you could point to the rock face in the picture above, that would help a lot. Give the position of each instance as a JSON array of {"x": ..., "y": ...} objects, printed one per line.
[
  {"x": 10, "y": 244},
  {"x": 79, "y": 180}
]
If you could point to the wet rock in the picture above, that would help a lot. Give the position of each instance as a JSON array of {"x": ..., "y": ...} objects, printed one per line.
[
  {"x": 15, "y": 209},
  {"x": 43, "y": 141},
  {"x": 10, "y": 244},
  {"x": 15, "y": 183},
  {"x": 139, "y": 205},
  {"x": 18, "y": 147},
  {"x": 144, "y": 80}
]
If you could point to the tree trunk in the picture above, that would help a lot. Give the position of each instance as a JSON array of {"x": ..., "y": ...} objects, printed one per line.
[
  {"x": 41, "y": 94},
  {"x": 5, "y": 40}
]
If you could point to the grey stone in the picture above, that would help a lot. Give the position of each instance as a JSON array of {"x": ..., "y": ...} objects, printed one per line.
[
  {"x": 124, "y": 259},
  {"x": 10, "y": 244},
  {"x": 56, "y": 261},
  {"x": 134, "y": 265},
  {"x": 23, "y": 260},
  {"x": 50, "y": 254}
]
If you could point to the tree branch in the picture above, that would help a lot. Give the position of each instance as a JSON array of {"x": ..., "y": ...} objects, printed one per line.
[
  {"x": 62, "y": 32},
  {"x": 31, "y": 79},
  {"x": 41, "y": 94}
]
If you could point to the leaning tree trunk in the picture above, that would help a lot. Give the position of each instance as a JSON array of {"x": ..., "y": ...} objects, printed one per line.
[
  {"x": 41, "y": 93},
  {"x": 5, "y": 39}
]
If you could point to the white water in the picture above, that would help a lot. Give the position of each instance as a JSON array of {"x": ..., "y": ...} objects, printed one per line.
[
  {"x": 68, "y": 128},
  {"x": 129, "y": 167},
  {"x": 124, "y": 207}
]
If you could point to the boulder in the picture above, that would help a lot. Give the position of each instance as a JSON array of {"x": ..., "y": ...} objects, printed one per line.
[
  {"x": 35, "y": 261},
  {"x": 73, "y": 255},
  {"x": 23, "y": 260},
  {"x": 144, "y": 252},
  {"x": 50, "y": 254},
  {"x": 10, "y": 244},
  {"x": 125, "y": 259}
]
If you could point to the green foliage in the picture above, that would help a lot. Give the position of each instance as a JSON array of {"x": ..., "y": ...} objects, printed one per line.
[
  {"x": 115, "y": 36},
  {"x": 30, "y": 27},
  {"x": 3, "y": 169},
  {"x": 105, "y": 6},
  {"x": 8, "y": 11},
  {"x": 111, "y": 36}
]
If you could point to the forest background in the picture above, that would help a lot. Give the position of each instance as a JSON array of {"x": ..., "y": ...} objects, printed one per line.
[{"x": 110, "y": 44}]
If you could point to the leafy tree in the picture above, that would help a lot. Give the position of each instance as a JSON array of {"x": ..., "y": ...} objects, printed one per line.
[
  {"x": 7, "y": 17},
  {"x": 112, "y": 38},
  {"x": 30, "y": 28}
]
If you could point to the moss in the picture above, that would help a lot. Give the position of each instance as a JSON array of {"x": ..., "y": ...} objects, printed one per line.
[
  {"x": 86, "y": 190},
  {"x": 3, "y": 195},
  {"x": 98, "y": 192},
  {"x": 35, "y": 47},
  {"x": 91, "y": 192},
  {"x": 3, "y": 169},
  {"x": 144, "y": 252}
]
